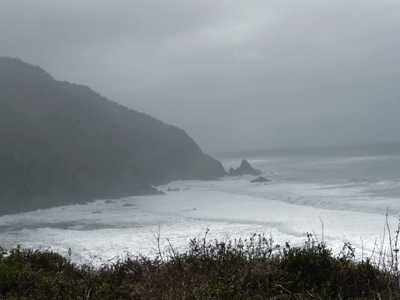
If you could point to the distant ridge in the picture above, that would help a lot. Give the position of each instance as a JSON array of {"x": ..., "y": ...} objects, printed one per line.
[{"x": 64, "y": 143}]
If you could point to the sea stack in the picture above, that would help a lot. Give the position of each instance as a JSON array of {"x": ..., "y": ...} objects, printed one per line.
[{"x": 244, "y": 169}]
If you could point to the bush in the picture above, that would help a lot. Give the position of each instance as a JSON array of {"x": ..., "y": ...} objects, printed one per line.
[{"x": 238, "y": 269}]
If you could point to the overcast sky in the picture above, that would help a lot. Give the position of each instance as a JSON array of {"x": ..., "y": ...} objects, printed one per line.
[{"x": 235, "y": 75}]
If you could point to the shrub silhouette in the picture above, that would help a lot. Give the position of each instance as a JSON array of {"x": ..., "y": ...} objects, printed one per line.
[{"x": 231, "y": 269}]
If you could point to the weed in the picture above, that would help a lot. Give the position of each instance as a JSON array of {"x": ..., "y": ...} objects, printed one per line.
[{"x": 252, "y": 268}]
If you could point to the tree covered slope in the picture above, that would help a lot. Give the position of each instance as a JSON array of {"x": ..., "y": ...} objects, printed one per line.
[{"x": 64, "y": 143}]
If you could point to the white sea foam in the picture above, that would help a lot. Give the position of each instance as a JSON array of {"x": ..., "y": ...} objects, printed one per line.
[
  {"x": 318, "y": 195},
  {"x": 99, "y": 232}
]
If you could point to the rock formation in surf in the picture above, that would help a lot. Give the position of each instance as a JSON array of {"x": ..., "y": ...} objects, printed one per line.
[
  {"x": 244, "y": 169},
  {"x": 260, "y": 179}
]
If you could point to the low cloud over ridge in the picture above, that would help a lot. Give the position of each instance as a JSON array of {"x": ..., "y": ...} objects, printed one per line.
[{"x": 235, "y": 75}]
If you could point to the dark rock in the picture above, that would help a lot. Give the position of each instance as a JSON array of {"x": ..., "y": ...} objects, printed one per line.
[
  {"x": 244, "y": 169},
  {"x": 173, "y": 190},
  {"x": 109, "y": 201},
  {"x": 204, "y": 167},
  {"x": 128, "y": 204},
  {"x": 260, "y": 179},
  {"x": 144, "y": 189}
]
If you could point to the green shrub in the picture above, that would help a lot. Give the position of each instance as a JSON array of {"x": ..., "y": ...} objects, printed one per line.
[{"x": 238, "y": 269}]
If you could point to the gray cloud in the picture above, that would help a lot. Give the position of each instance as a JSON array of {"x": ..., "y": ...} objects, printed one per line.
[{"x": 234, "y": 74}]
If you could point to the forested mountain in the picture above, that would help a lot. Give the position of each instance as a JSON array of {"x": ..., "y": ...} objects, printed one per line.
[{"x": 64, "y": 143}]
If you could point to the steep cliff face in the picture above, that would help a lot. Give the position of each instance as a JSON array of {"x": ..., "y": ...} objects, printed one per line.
[{"x": 63, "y": 142}]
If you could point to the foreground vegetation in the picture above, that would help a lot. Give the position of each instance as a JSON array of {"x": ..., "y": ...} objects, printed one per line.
[{"x": 240, "y": 269}]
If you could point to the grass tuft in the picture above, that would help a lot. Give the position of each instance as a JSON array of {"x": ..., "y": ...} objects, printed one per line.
[{"x": 233, "y": 269}]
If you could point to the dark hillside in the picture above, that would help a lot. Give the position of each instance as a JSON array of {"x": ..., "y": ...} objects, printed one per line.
[{"x": 62, "y": 143}]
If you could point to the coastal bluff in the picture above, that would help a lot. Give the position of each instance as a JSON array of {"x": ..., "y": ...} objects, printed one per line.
[{"x": 63, "y": 143}]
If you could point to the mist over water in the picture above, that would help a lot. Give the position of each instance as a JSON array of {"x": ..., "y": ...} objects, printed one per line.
[
  {"x": 358, "y": 178},
  {"x": 339, "y": 194}
]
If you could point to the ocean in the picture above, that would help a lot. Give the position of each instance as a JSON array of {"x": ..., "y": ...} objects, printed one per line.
[{"x": 348, "y": 194}]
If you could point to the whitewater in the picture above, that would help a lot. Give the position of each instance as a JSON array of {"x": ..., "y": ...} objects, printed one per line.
[{"x": 338, "y": 194}]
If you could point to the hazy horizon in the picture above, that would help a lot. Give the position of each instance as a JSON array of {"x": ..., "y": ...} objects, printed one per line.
[{"x": 234, "y": 75}]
